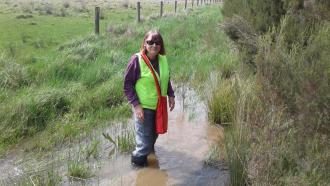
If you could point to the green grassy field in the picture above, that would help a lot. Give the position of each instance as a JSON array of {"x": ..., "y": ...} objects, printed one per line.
[{"x": 59, "y": 80}]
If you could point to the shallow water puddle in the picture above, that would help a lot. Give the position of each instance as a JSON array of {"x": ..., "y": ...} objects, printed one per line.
[
  {"x": 179, "y": 157},
  {"x": 179, "y": 153}
]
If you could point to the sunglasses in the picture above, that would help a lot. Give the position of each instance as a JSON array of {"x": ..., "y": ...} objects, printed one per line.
[{"x": 153, "y": 42}]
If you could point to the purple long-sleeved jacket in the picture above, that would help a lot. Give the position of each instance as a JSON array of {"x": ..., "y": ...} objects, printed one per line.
[{"x": 132, "y": 74}]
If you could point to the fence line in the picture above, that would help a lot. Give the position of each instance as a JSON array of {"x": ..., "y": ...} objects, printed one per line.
[{"x": 176, "y": 2}]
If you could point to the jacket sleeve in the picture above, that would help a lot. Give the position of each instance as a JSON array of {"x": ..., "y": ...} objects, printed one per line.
[
  {"x": 170, "y": 91},
  {"x": 132, "y": 74}
]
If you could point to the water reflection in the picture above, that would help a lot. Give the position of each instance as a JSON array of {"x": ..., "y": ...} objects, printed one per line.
[{"x": 151, "y": 175}]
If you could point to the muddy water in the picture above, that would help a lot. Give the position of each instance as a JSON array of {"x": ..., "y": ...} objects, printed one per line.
[
  {"x": 178, "y": 159},
  {"x": 180, "y": 152}
]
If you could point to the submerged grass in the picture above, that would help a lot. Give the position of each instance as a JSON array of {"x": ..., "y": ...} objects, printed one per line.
[{"x": 77, "y": 169}]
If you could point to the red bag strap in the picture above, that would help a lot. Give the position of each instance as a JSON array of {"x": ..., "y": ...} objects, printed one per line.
[{"x": 147, "y": 61}]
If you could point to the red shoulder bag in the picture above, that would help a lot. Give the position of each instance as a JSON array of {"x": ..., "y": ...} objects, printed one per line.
[{"x": 161, "y": 110}]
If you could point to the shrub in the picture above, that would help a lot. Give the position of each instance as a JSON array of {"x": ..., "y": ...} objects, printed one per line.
[
  {"x": 297, "y": 78},
  {"x": 244, "y": 36},
  {"x": 287, "y": 127},
  {"x": 66, "y": 4},
  {"x": 262, "y": 14},
  {"x": 291, "y": 128},
  {"x": 49, "y": 8}
]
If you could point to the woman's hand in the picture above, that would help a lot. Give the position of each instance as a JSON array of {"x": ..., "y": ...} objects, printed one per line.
[
  {"x": 139, "y": 113},
  {"x": 171, "y": 103}
]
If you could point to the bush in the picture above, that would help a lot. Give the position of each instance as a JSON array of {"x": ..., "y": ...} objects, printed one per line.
[
  {"x": 66, "y": 4},
  {"x": 244, "y": 36},
  {"x": 293, "y": 130},
  {"x": 287, "y": 126},
  {"x": 262, "y": 14},
  {"x": 297, "y": 78}
]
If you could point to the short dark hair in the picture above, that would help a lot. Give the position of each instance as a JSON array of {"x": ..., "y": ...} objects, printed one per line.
[{"x": 157, "y": 36}]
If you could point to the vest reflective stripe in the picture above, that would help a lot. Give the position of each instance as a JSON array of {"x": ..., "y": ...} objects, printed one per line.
[{"x": 145, "y": 86}]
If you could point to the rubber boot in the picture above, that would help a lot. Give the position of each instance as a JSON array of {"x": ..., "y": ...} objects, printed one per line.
[{"x": 139, "y": 162}]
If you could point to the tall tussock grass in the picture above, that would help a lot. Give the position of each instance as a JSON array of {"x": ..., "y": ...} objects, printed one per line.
[
  {"x": 84, "y": 49},
  {"x": 235, "y": 96},
  {"x": 12, "y": 74},
  {"x": 221, "y": 101},
  {"x": 30, "y": 114}
]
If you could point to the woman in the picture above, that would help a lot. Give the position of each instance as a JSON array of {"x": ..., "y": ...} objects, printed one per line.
[{"x": 140, "y": 90}]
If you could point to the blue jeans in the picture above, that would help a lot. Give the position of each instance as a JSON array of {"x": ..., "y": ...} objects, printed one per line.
[{"x": 145, "y": 135}]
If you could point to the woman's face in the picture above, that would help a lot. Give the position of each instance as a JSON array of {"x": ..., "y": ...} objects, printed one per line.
[{"x": 152, "y": 45}]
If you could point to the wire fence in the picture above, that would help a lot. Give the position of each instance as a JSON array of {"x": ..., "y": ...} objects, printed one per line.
[{"x": 158, "y": 8}]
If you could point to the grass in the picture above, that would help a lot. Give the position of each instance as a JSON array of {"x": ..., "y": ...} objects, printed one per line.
[
  {"x": 215, "y": 157},
  {"x": 123, "y": 142},
  {"x": 221, "y": 103},
  {"x": 126, "y": 141},
  {"x": 78, "y": 169},
  {"x": 61, "y": 84},
  {"x": 50, "y": 176},
  {"x": 70, "y": 82},
  {"x": 229, "y": 100}
]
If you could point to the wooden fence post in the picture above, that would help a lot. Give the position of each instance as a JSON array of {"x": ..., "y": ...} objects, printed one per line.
[
  {"x": 175, "y": 5},
  {"x": 185, "y": 4},
  {"x": 192, "y": 3},
  {"x": 97, "y": 20},
  {"x": 138, "y": 11},
  {"x": 197, "y": 2},
  {"x": 161, "y": 8}
]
